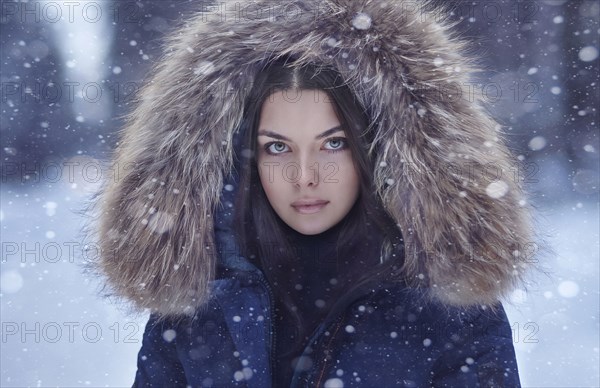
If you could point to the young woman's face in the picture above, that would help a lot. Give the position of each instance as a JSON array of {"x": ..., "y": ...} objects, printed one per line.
[{"x": 303, "y": 157}]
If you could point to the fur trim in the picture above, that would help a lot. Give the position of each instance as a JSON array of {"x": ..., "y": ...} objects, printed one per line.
[{"x": 463, "y": 230}]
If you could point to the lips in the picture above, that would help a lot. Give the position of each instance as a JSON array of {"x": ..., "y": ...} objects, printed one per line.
[
  {"x": 313, "y": 202},
  {"x": 309, "y": 207}
]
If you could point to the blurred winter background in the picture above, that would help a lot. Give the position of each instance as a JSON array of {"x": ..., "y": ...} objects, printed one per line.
[{"x": 69, "y": 70}]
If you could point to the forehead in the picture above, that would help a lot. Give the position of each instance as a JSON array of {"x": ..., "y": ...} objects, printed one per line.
[{"x": 298, "y": 112}]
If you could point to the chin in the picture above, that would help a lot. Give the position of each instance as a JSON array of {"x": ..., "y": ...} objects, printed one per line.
[{"x": 309, "y": 230}]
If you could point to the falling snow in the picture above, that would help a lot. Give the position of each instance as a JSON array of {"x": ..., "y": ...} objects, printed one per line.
[
  {"x": 169, "y": 335},
  {"x": 537, "y": 143},
  {"x": 334, "y": 383},
  {"x": 497, "y": 189},
  {"x": 588, "y": 53},
  {"x": 547, "y": 72},
  {"x": 204, "y": 68},
  {"x": 568, "y": 289},
  {"x": 361, "y": 21},
  {"x": 12, "y": 282}
]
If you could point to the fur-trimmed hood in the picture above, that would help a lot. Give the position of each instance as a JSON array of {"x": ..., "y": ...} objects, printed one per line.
[{"x": 467, "y": 229}]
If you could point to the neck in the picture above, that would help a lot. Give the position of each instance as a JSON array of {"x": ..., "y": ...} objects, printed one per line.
[
  {"x": 329, "y": 234},
  {"x": 316, "y": 252}
]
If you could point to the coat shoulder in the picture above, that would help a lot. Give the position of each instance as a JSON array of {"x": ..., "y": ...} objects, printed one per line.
[
  {"x": 418, "y": 342},
  {"x": 409, "y": 312}
]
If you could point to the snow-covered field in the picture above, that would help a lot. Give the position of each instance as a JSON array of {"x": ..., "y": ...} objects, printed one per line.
[
  {"x": 56, "y": 331},
  {"x": 555, "y": 324}
]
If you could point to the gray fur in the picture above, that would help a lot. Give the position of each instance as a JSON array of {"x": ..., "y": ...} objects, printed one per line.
[{"x": 155, "y": 224}]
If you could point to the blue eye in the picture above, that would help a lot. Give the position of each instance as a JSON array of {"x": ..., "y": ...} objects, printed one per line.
[
  {"x": 277, "y": 147},
  {"x": 338, "y": 140},
  {"x": 268, "y": 147}
]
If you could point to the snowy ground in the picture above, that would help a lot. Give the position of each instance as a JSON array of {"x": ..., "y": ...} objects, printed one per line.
[
  {"x": 57, "y": 332},
  {"x": 555, "y": 325}
]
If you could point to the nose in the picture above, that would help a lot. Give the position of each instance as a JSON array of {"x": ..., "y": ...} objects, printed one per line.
[{"x": 307, "y": 172}]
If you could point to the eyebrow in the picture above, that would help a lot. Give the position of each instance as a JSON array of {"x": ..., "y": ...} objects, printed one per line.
[{"x": 275, "y": 135}]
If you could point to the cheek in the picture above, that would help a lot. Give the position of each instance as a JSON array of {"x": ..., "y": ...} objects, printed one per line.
[{"x": 268, "y": 182}]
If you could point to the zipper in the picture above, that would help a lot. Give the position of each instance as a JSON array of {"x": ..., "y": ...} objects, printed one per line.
[
  {"x": 329, "y": 321},
  {"x": 272, "y": 333},
  {"x": 332, "y": 323},
  {"x": 328, "y": 348}
]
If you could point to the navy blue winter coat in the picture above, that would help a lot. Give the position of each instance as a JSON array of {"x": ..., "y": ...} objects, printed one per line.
[
  {"x": 382, "y": 338},
  {"x": 442, "y": 171}
]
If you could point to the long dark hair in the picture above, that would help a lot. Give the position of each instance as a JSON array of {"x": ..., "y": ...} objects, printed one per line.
[{"x": 261, "y": 232}]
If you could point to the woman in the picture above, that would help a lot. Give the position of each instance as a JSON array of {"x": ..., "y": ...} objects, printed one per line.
[
  {"x": 294, "y": 207},
  {"x": 310, "y": 254}
]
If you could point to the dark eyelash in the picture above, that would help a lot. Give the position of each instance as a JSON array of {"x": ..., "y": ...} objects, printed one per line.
[
  {"x": 267, "y": 145},
  {"x": 343, "y": 139}
]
